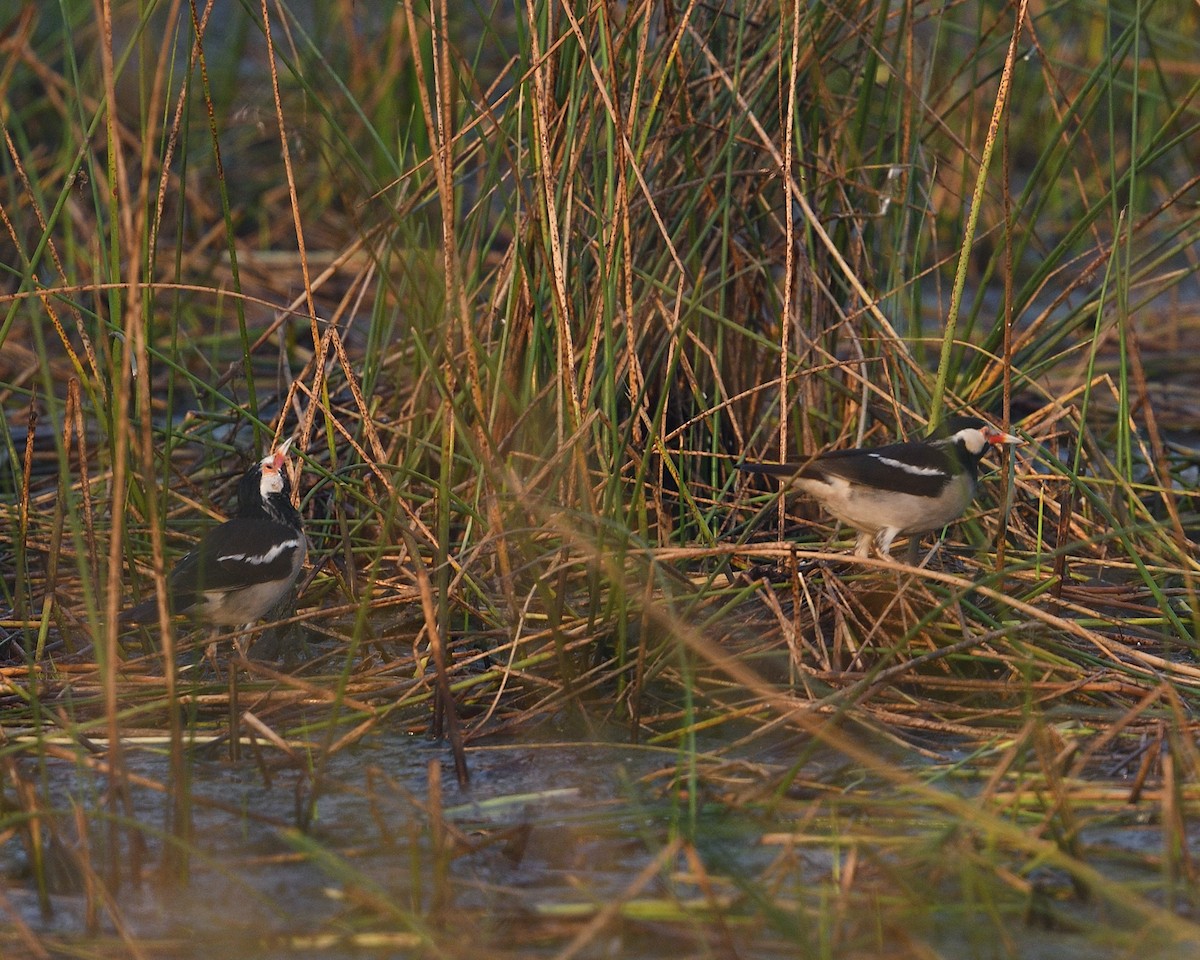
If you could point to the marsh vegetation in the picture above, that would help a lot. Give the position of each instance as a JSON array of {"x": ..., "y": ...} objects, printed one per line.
[{"x": 525, "y": 284}]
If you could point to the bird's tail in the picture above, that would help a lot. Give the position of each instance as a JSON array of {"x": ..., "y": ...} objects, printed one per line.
[
  {"x": 144, "y": 612},
  {"x": 770, "y": 469}
]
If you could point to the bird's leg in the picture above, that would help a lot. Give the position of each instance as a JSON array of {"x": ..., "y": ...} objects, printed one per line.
[
  {"x": 235, "y": 731},
  {"x": 863, "y": 547},
  {"x": 235, "y": 725},
  {"x": 913, "y": 554},
  {"x": 883, "y": 541},
  {"x": 239, "y": 640},
  {"x": 210, "y": 651}
]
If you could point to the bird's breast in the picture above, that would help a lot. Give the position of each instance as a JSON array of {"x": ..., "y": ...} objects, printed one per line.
[{"x": 871, "y": 509}]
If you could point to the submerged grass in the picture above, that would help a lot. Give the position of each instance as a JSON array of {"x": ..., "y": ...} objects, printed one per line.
[{"x": 526, "y": 284}]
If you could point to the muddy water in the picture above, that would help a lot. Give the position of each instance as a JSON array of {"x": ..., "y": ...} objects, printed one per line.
[
  {"x": 538, "y": 824},
  {"x": 546, "y": 835}
]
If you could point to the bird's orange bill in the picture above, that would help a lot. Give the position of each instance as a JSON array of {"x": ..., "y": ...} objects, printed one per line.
[
  {"x": 998, "y": 438},
  {"x": 281, "y": 452}
]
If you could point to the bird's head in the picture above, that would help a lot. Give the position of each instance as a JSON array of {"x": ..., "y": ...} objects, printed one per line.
[
  {"x": 272, "y": 469},
  {"x": 974, "y": 434}
]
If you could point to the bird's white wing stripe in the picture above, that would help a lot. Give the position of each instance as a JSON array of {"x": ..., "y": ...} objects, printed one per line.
[
  {"x": 910, "y": 467},
  {"x": 260, "y": 558}
]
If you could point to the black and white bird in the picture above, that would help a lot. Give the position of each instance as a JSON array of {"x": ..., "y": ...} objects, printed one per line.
[
  {"x": 899, "y": 489},
  {"x": 244, "y": 567}
]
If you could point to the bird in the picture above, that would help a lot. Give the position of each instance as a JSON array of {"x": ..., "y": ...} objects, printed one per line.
[
  {"x": 241, "y": 569},
  {"x": 909, "y": 488}
]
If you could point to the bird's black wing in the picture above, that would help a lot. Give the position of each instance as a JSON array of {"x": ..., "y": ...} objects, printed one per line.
[
  {"x": 239, "y": 553},
  {"x": 921, "y": 469}
]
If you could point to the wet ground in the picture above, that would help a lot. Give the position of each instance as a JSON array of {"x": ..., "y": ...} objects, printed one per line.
[{"x": 548, "y": 838}]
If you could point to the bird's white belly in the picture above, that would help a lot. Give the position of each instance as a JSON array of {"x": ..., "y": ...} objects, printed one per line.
[{"x": 870, "y": 510}]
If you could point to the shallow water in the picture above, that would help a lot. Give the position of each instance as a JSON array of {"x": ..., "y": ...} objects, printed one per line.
[
  {"x": 255, "y": 878},
  {"x": 546, "y": 835}
]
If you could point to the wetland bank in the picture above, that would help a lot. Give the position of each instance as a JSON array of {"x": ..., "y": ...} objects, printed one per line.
[{"x": 525, "y": 286}]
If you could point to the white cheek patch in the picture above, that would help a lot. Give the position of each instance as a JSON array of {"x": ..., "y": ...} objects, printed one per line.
[
  {"x": 974, "y": 440},
  {"x": 910, "y": 468},
  {"x": 257, "y": 559}
]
